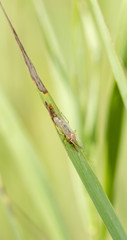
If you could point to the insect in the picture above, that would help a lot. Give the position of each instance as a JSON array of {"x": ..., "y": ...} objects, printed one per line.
[{"x": 61, "y": 125}]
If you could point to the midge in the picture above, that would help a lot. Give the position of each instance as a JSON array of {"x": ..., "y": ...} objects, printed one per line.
[{"x": 62, "y": 125}]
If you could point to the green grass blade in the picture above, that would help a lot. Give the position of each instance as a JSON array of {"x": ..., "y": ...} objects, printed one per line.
[
  {"x": 97, "y": 195},
  {"x": 93, "y": 187},
  {"x": 116, "y": 66},
  {"x": 79, "y": 160}
]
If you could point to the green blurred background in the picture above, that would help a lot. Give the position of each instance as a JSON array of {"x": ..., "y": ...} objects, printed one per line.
[{"x": 47, "y": 198}]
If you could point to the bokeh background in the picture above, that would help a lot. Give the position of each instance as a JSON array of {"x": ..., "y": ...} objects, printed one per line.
[{"x": 42, "y": 196}]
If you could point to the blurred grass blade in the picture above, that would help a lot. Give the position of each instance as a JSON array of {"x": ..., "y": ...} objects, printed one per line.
[
  {"x": 38, "y": 233},
  {"x": 116, "y": 66},
  {"x": 11, "y": 231},
  {"x": 113, "y": 139},
  {"x": 9, "y": 214},
  {"x": 50, "y": 39},
  {"x": 27, "y": 161},
  {"x": 80, "y": 162}
]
